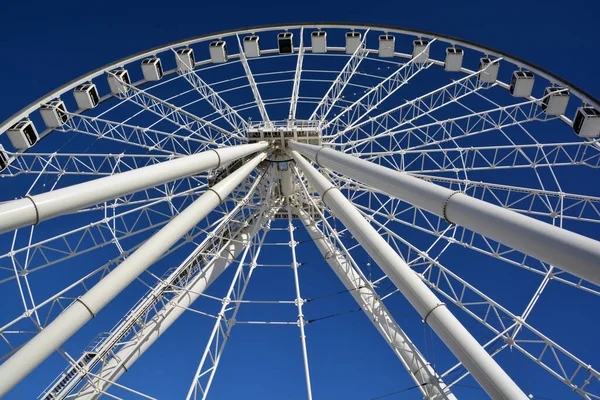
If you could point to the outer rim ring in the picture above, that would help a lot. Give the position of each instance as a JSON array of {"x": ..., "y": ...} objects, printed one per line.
[{"x": 582, "y": 94}]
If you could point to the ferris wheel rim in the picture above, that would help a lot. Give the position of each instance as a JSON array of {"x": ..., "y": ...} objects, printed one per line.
[{"x": 25, "y": 111}]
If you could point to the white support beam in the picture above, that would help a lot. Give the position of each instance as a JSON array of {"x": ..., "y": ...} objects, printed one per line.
[
  {"x": 31, "y": 210},
  {"x": 362, "y": 290},
  {"x": 334, "y": 93},
  {"x": 34, "y": 352},
  {"x": 476, "y": 360},
  {"x": 257, "y": 97},
  {"x": 569, "y": 251},
  {"x": 297, "y": 79}
]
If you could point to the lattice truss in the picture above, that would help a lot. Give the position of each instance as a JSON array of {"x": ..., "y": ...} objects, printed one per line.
[{"x": 460, "y": 130}]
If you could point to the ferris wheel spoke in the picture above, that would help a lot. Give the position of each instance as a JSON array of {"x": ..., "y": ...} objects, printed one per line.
[
  {"x": 253, "y": 86},
  {"x": 384, "y": 124},
  {"x": 177, "y": 115},
  {"x": 297, "y": 78},
  {"x": 79, "y": 163},
  {"x": 334, "y": 93},
  {"x": 477, "y": 158},
  {"x": 434, "y": 133},
  {"x": 214, "y": 99},
  {"x": 371, "y": 100},
  {"x": 148, "y": 139}
]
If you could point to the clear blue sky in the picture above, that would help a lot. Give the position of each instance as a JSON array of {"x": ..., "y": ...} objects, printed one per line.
[{"x": 46, "y": 44}]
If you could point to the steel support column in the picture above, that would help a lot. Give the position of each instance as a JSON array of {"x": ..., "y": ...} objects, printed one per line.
[
  {"x": 87, "y": 306},
  {"x": 361, "y": 289},
  {"x": 569, "y": 251},
  {"x": 476, "y": 360},
  {"x": 31, "y": 210}
]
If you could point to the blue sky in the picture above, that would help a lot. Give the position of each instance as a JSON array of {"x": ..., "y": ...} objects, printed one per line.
[{"x": 47, "y": 44}]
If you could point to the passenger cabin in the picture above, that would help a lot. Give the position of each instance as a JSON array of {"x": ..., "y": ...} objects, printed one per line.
[
  {"x": 3, "y": 159},
  {"x": 420, "y": 52},
  {"x": 54, "y": 114},
  {"x": 488, "y": 70},
  {"x": 252, "y": 46},
  {"x": 555, "y": 100},
  {"x": 185, "y": 59},
  {"x": 521, "y": 84},
  {"x": 387, "y": 44},
  {"x": 86, "y": 96},
  {"x": 23, "y": 135},
  {"x": 118, "y": 80},
  {"x": 319, "y": 42},
  {"x": 285, "y": 41},
  {"x": 218, "y": 51},
  {"x": 152, "y": 69},
  {"x": 587, "y": 122},
  {"x": 352, "y": 41},
  {"x": 454, "y": 59}
]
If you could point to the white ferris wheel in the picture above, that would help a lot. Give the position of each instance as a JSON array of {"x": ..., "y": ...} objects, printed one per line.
[{"x": 436, "y": 183}]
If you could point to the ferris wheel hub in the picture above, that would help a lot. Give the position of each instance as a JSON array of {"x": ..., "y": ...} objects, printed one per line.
[{"x": 277, "y": 132}]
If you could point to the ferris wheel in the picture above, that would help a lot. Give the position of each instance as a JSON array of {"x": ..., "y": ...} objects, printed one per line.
[{"x": 435, "y": 183}]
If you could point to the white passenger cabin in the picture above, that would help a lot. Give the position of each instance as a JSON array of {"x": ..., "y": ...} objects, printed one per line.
[
  {"x": 488, "y": 70},
  {"x": 420, "y": 52},
  {"x": 23, "y": 135},
  {"x": 185, "y": 59},
  {"x": 218, "y": 51},
  {"x": 3, "y": 159},
  {"x": 387, "y": 44},
  {"x": 352, "y": 41},
  {"x": 152, "y": 69},
  {"x": 555, "y": 100},
  {"x": 118, "y": 81},
  {"x": 319, "y": 41},
  {"x": 587, "y": 122},
  {"x": 252, "y": 46},
  {"x": 54, "y": 113},
  {"x": 454, "y": 59},
  {"x": 521, "y": 84},
  {"x": 285, "y": 41},
  {"x": 86, "y": 96}
]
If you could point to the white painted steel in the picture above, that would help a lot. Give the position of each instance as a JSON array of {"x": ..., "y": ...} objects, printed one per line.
[
  {"x": 475, "y": 359},
  {"x": 569, "y": 251},
  {"x": 369, "y": 301},
  {"x": 34, "y": 209},
  {"x": 20, "y": 364}
]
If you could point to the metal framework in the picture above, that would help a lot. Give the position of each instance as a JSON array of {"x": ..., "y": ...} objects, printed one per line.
[{"x": 183, "y": 191}]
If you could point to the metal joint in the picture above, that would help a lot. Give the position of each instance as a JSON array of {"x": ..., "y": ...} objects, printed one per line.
[
  {"x": 218, "y": 156},
  {"x": 37, "y": 212},
  {"x": 432, "y": 310},
  {"x": 326, "y": 191},
  {"x": 215, "y": 192},
  {"x": 317, "y": 156},
  {"x": 445, "y": 208},
  {"x": 86, "y": 307}
]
